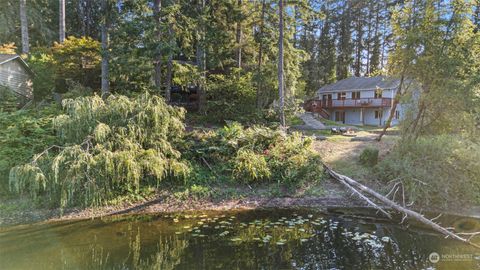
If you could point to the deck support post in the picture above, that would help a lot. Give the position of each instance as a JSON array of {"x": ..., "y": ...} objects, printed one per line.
[{"x": 362, "y": 116}]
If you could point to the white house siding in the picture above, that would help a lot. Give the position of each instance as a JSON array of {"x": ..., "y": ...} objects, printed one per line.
[
  {"x": 14, "y": 76},
  {"x": 353, "y": 116},
  {"x": 367, "y": 88}
]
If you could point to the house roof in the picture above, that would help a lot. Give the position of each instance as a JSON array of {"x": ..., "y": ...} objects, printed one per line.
[
  {"x": 4, "y": 58},
  {"x": 361, "y": 83}
]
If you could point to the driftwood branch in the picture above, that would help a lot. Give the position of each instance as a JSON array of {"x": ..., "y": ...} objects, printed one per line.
[
  {"x": 359, "y": 194},
  {"x": 352, "y": 184}
]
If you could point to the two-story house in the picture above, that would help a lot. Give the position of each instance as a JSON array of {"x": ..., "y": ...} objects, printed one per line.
[{"x": 358, "y": 101}]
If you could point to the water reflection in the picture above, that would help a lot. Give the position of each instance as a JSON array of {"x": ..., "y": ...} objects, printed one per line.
[{"x": 276, "y": 239}]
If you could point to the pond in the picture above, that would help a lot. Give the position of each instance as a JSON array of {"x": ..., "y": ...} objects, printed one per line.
[{"x": 253, "y": 239}]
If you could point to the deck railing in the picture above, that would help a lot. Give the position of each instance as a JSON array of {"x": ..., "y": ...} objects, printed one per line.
[{"x": 356, "y": 103}]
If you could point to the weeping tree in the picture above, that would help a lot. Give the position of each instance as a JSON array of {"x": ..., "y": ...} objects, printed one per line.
[{"x": 106, "y": 148}]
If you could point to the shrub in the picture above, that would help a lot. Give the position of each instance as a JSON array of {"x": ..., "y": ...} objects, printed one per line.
[
  {"x": 257, "y": 154},
  {"x": 369, "y": 157},
  {"x": 22, "y": 134},
  {"x": 249, "y": 166},
  {"x": 41, "y": 62},
  {"x": 77, "y": 59},
  {"x": 437, "y": 170},
  {"x": 106, "y": 148},
  {"x": 233, "y": 95},
  {"x": 8, "y": 100}
]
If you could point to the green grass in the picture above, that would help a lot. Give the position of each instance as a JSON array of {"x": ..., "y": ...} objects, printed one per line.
[
  {"x": 328, "y": 122},
  {"x": 294, "y": 121}
]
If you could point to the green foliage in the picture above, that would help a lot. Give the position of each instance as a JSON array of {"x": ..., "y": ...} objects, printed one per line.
[
  {"x": 107, "y": 148},
  {"x": 78, "y": 60},
  {"x": 41, "y": 62},
  {"x": 22, "y": 134},
  {"x": 258, "y": 154},
  {"x": 438, "y": 48},
  {"x": 8, "y": 100},
  {"x": 369, "y": 157},
  {"x": 250, "y": 166},
  {"x": 233, "y": 95},
  {"x": 436, "y": 171},
  {"x": 194, "y": 191}
]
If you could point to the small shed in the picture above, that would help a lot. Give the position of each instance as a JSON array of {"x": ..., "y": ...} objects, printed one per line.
[{"x": 16, "y": 75}]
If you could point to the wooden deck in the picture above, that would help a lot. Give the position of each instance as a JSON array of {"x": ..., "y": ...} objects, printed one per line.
[{"x": 314, "y": 105}]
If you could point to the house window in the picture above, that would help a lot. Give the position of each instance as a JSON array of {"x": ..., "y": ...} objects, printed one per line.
[
  {"x": 397, "y": 115},
  {"x": 378, "y": 114},
  {"x": 356, "y": 95},
  {"x": 342, "y": 95},
  {"x": 378, "y": 93}
]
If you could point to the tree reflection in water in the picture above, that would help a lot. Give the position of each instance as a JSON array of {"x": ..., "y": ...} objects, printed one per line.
[{"x": 260, "y": 239}]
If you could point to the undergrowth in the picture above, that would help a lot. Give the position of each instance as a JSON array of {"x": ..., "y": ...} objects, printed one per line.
[
  {"x": 121, "y": 147},
  {"x": 435, "y": 171}
]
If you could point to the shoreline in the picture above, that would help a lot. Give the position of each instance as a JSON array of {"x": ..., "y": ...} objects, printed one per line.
[{"x": 160, "y": 206}]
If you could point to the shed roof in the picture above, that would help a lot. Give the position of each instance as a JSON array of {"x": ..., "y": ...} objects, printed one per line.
[
  {"x": 4, "y": 58},
  {"x": 361, "y": 83}
]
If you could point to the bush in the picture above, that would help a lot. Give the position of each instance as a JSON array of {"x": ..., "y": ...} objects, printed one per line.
[
  {"x": 369, "y": 157},
  {"x": 107, "y": 148},
  {"x": 78, "y": 60},
  {"x": 41, "y": 62},
  {"x": 249, "y": 166},
  {"x": 257, "y": 154},
  {"x": 22, "y": 134},
  {"x": 234, "y": 96},
  {"x": 9, "y": 102},
  {"x": 438, "y": 171}
]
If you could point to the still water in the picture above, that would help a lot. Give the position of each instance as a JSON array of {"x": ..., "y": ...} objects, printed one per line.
[{"x": 256, "y": 239}]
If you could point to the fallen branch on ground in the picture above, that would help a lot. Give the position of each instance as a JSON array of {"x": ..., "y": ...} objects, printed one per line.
[{"x": 359, "y": 188}]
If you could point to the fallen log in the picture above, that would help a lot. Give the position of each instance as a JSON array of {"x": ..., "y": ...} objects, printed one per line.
[{"x": 359, "y": 188}]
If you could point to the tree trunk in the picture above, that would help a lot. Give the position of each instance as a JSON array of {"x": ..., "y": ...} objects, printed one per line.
[
  {"x": 61, "y": 21},
  {"x": 81, "y": 14},
  {"x": 359, "y": 48},
  {"x": 88, "y": 17},
  {"x": 358, "y": 188},
  {"x": 260, "y": 56},
  {"x": 396, "y": 99},
  {"x": 239, "y": 38},
  {"x": 369, "y": 39},
  {"x": 280, "y": 64},
  {"x": 201, "y": 57},
  {"x": 24, "y": 26},
  {"x": 105, "y": 53},
  {"x": 168, "y": 84},
  {"x": 157, "y": 61}
]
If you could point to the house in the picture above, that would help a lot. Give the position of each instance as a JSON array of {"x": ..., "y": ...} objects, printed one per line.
[
  {"x": 358, "y": 101},
  {"x": 16, "y": 76}
]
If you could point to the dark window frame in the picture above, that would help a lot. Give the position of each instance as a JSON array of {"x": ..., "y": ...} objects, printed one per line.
[{"x": 356, "y": 95}]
